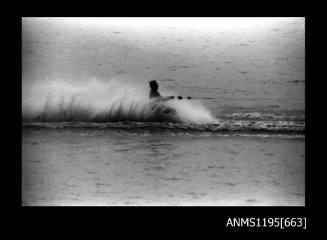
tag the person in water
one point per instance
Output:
(155, 94)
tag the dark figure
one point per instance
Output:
(154, 89)
(155, 94)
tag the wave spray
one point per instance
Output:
(99, 101)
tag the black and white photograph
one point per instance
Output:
(163, 111)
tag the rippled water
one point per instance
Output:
(119, 167)
(250, 77)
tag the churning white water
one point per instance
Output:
(98, 101)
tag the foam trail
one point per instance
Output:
(98, 101)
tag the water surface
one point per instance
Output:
(248, 74)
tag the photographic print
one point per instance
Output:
(163, 111)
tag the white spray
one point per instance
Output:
(98, 101)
